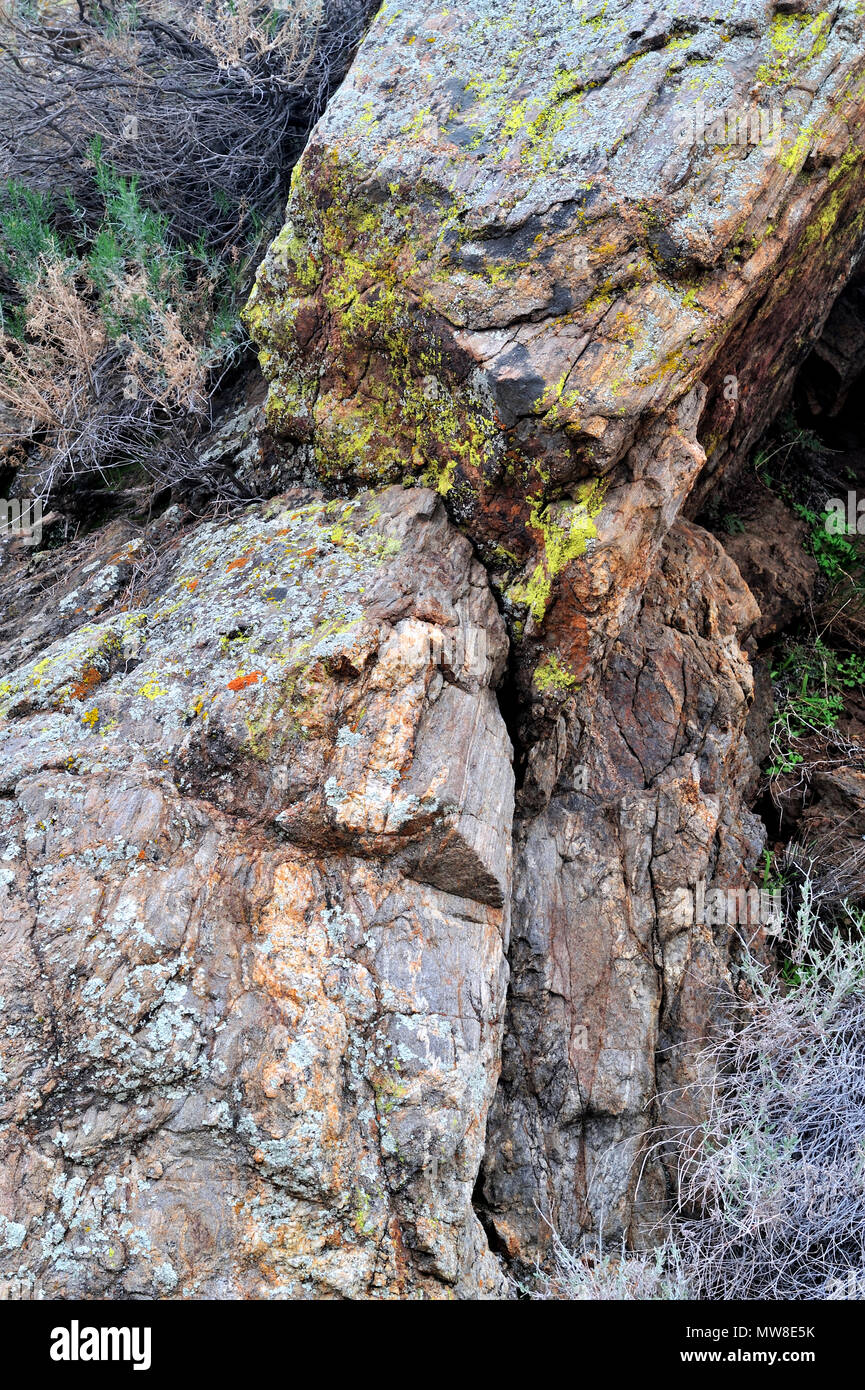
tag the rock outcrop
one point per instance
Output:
(613, 988)
(254, 886)
(516, 239)
(285, 798)
(770, 551)
(563, 266)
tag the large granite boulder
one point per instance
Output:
(546, 275)
(562, 265)
(254, 886)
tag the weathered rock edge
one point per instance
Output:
(514, 269)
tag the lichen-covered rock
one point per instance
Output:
(562, 263)
(554, 267)
(518, 237)
(254, 884)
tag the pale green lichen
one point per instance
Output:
(552, 675)
(408, 419)
(566, 530)
(795, 40)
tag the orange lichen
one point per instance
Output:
(241, 682)
(91, 677)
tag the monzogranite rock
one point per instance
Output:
(563, 265)
(254, 885)
(611, 992)
(519, 240)
(261, 844)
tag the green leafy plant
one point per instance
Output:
(835, 552)
(109, 337)
(809, 683)
(775, 876)
(146, 165)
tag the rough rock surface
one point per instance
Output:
(261, 844)
(254, 875)
(517, 238)
(611, 993)
(838, 360)
(771, 555)
(833, 829)
(526, 261)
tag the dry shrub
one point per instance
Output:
(242, 36)
(147, 137)
(831, 861)
(772, 1187)
(610, 1275)
(46, 376)
(91, 401)
(207, 105)
(169, 370)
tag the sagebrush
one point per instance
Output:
(150, 150)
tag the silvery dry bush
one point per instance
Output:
(618, 1275)
(771, 1189)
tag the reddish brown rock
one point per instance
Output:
(255, 813)
(611, 995)
(770, 551)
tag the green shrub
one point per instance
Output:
(835, 552)
(148, 156)
(809, 680)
